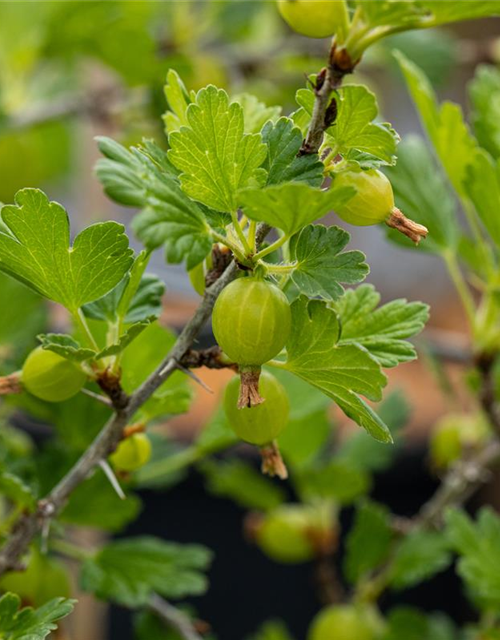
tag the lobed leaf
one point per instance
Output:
(320, 263)
(36, 250)
(215, 156)
(383, 330)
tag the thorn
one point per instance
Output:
(98, 397)
(194, 377)
(112, 479)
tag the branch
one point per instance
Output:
(174, 618)
(325, 109)
(29, 525)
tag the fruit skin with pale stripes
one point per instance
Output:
(258, 425)
(251, 321)
(374, 199)
(132, 452)
(50, 377)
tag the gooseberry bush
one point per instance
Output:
(236, 193)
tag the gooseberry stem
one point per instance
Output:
(461, 287)
(239, 233)
(230, 245)
(84, 327)
(272, 247)
(252, 227)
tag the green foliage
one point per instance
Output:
(95, 504)
(291, 206)
(272, 630)
(478, 546)
(320, 263)
(411, 624)
(35, 250)
(168, 217)
(129, 571)
(422, 193)
(283, 164)
(216, 157)
(369, 541)
(420, 555)
(382, 331)
(315, 355)
(484, 91)
(28, 623)
(244, 485)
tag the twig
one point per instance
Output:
(174, 618)
(210, 358)
(324, 110)
(30, 524)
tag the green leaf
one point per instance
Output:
(419, 556)
(338, 480)
(445, 125)
(66, 346)
(16, 490)
(422, 193)
(95, 504)
(411, 624)
(482, 185)
(366, 452)
(255, 113)
(69, 348)
(284, 140)
(129, 571)
(216, 157)
(339, 371)
(37, 252)
(444, 12)
(28, 623)
(291, 206)
(383, 330)
(354, 127)
(369, 541)
(320, 264)
(178, 100)
(137, 297)
(243, 484)
(484, 92)
(168, 216)
(478, 545)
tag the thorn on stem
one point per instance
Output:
(112, 479)
(194, 377)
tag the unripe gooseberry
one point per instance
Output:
(51, 377)
(316, 18)
(455, 434)
(373, 201)
(258, 425)
(251, 321)
(345, 622)
(132, 453)
(283, 534)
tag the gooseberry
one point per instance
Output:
(455, 434)
(258, 425)
(283, 534)
(373, 203)
(132, 453)
(43, 579)
(251, 322)
(345, 622)
(316, 18)
(50, 377)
